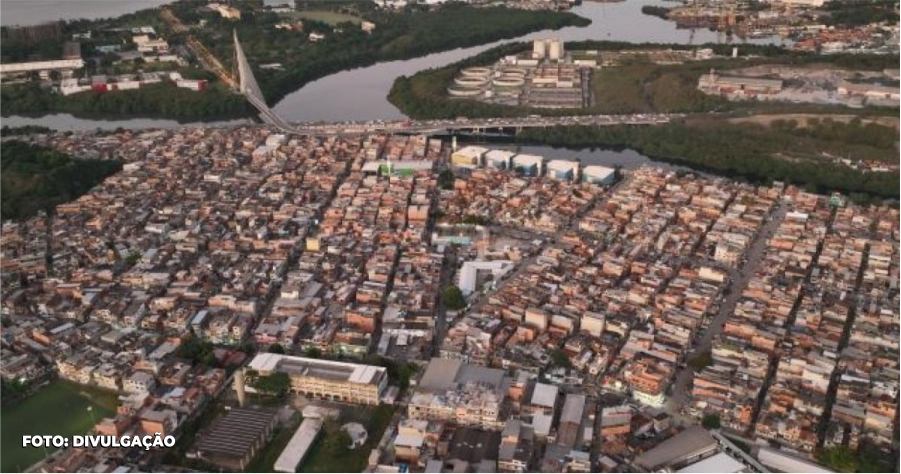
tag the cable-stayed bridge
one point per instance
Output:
(247, 85)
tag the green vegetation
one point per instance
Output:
(265, 459)
(861, 13)
(329, 17)
(452, 298)
(331, 453)
(398, 35)
(133, 258)
(12, 390)
(36, 178)
(484, 220)
(406, 34)
(8, 131)
(636, 86)
(155, 100)
(844, 459)
(755, 152)
(659, 12)
(276, 349)
(701, 360)
(276, 384)
(187, 434)
(197, 351)
(399, 373)
(446, 179)
(560, 359)
(58, 409)
(711, 421)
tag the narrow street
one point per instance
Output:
(739, 280)
(549, 240)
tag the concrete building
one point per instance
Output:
(592, 324)
(469, 273)
(689, 446)
(563, 169)
(528, 165)
(871, 91)
(498, 159)
(571, 419)
(551, 49)
(59, 65)
(343, 381)
(598, 174)
(471, 155)
(715, 82)
(299, 445)
(466, 394)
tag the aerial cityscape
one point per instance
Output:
(425, 236)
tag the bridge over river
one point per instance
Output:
(248, 86)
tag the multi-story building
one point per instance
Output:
(347, 382)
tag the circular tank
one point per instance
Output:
(466, 81)
(514, 71)
(509, 81)
(476, 72)
(460, 91)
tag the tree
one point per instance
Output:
(133, 258)
(276, 349)
(313, 352)
(560, 359)
(446, 179)
(276, 384)
(701, 360)
(711, 421)
(452, 298)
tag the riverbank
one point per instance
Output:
(398, 36)
(154, 101)
(636, 85)
(805, 156)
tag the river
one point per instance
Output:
(360, 94)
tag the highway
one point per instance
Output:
(476, 125)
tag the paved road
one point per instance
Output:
(550, 239)
(740, 279)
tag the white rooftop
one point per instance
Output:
(471, 151)
(544, 395)
(721, 462)
(297, 448)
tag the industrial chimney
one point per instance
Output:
(239, 387)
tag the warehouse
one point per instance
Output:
(689, 446)
(598, 174)
(300, 443)
(234, 440)
(498, 159)
(566, 170)
(528, 165)
(471, 155)
(718, 83)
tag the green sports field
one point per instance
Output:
(58, 409)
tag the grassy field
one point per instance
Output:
(332, 18)
(326, 455)
(264, 461)
(58, 409)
